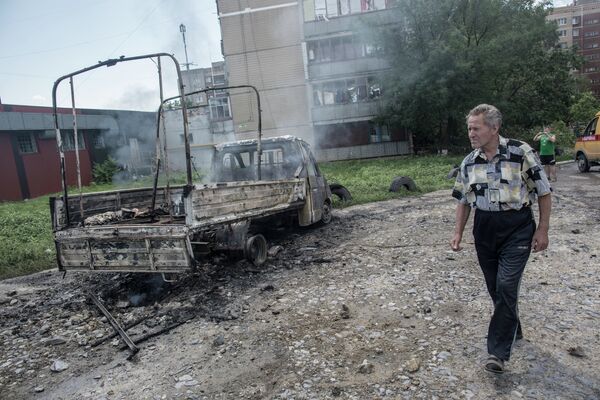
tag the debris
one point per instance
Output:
(366, 367)
(115, 325)
(345, 314)
(56, 340)
(576, 351)
(219, 341)
(38, 389)
(273, 251)
(59, 366)
(413, 365)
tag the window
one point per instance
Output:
(340, 48)
(69, 141)
(591, 33)
(562, 21)
(575, 32)
(591, 45)
(592, 21)
(590, 69)
(98, 142)
(575, 21)
(346, 91)
(219, 108)
(563, 32)
(219, 79)
(26, 143)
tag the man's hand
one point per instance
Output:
(540, 240)
(455, 242)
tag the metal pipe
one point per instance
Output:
(75, 135)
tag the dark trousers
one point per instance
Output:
(503, 244)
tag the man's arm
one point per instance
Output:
(552, 138)
(538, 136)
(462, 216)
(540, 237)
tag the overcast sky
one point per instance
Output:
(43, 40)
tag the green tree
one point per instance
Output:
(450, 55)
(583, 110)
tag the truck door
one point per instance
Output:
(591, 140)
(316, 185)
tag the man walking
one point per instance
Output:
(501, 179)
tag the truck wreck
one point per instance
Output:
(254, 184)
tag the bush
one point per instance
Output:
(104, 171)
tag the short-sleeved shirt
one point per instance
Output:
(547, 146)
(511, 180)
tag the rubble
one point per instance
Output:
(417, 321)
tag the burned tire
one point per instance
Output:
(255, 249)
(400, 182)
(341, 192)
(326, 213)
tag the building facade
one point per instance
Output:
(29, 158)
(317, 69)
(578, 26)
(209, 118)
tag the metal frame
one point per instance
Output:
(109, 63)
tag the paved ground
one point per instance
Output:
(374, 305)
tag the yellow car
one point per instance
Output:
(587, 146)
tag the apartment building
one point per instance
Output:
(209, 117)
(579, 27)
(318, 72)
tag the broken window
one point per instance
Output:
(320, 8)
(347, 91)
(312, 50)
(378, 4)
(332, 8)
(69, 141)
(344, 8)
(338, 49)
(98, 142)
(219, 108)
(355, 6)
(373, 87)
(26, 143)
(348, 47)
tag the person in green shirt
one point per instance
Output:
(547, 151)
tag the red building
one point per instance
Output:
(29, 160)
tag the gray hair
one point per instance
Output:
(492, 117)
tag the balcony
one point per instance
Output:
(324, 70)
(350, 22)
(338, 113)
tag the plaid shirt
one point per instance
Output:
(509, 181)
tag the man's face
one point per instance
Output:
(480, 134)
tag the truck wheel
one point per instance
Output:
(583, 163)
(255, 249)
(326, 213)
(341, 192)
(400, 182)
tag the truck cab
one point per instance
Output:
(587, 146)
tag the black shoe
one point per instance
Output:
(494, 365)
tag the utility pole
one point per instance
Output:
(182, 30)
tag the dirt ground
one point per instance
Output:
(374, 305)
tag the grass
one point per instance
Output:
(26, 243)
(369, 180)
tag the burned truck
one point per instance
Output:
(254, 184)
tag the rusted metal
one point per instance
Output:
(75, 135)
(134, 349)
(109, 63)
